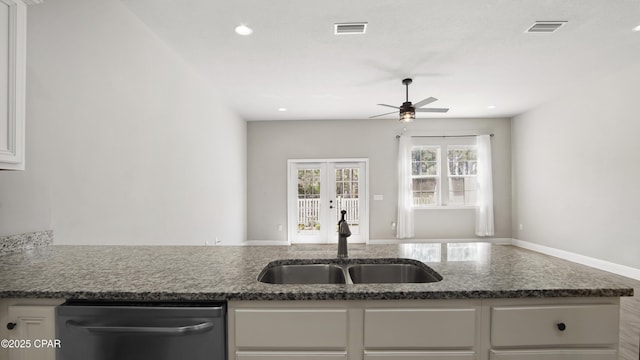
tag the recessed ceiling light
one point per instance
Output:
(282, 109)
(636, 29)
(491, 107)
(243, 30)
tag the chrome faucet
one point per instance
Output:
(343, 233)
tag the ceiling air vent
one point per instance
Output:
(350, 28)
(546, 26)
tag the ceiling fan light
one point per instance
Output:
(407, 116)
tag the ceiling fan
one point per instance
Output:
(408, 110)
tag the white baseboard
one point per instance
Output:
(499, 241)
(623, 270)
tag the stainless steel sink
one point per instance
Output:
(349, 271)
(303, 274)
(391, 273)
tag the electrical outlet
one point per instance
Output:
(521, 227)
(280, 227)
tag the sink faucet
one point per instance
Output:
(343, 233)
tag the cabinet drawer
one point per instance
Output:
(419, 355)
(291, 329)
(576, 354)
(419, 328)
(540, 325)
(290, 355)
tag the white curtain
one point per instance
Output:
(404, 228)
(484, 211)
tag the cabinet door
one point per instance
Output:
(265, 329)
(419, 355)
(420, 328)
(524, 326)
(12, 83)
(290, 355)
(33, 324)
(574, 354)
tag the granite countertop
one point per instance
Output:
(469, 270)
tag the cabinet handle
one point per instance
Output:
(11, 325)
(178, 330)
(561, 326)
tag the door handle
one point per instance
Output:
(174, 330)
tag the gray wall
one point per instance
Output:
(576, 166)
(270, 144)
(126, 143)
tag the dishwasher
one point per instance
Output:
(136, 331)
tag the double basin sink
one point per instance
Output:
(350, 271)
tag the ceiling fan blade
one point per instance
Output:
(375, 116)
(433, 110)
(424, 102)
(391, 106)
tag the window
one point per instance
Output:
(444, 172)
(425, 171)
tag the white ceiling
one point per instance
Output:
(468, 53)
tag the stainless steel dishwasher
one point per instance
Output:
(137, 331)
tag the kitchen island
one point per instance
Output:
(494, 302)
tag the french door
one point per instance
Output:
(318, 190)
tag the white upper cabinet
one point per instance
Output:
(13, 21)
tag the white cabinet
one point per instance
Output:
(578, 354)
(554, 325)
(291, 328)
(480, 329)
(13, 18)
(291, 355)
(263, 331)
(419, 355)
(34, 332)
(438, 331)
(413, 328)
(354, 330)
(34, 319)
(541, 330)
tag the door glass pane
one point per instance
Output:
(308, 201)
(348, 197)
